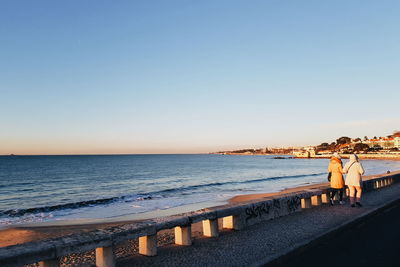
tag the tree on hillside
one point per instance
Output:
(332, 146)
(322, 147)
(343, 140)
(365, 138)
(360, 147)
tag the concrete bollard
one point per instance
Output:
(210, 228)
(306, 203)
(183, 235)
(232, 222)
(105, 257)
(325, 198)
(50, 263)
(316, 200)
(148, 245)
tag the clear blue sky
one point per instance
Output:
(195, 76)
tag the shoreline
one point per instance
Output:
(27, 233)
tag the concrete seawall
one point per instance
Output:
(234, 216)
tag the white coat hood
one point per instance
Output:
(353, 158)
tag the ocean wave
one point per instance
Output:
(188, 188)
(16, 184)
(74, 205)
(139, 197)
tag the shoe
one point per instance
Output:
(341, 202)
(331, 201)
(353, 205)
(358, 204)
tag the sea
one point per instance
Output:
(37, 189)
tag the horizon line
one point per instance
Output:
(103, 154)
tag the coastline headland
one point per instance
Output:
(241, 213)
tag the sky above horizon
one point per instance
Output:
(88, 77)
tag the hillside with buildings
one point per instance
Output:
(388, 145)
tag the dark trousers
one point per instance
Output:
(335, 191)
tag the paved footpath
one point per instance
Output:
(374, 242)
(268, 241)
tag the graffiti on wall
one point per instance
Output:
(277, 207)
(261, 209)
(258, 210)
(294, 204)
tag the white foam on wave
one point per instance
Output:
(115, 209)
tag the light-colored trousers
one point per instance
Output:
(355, 192)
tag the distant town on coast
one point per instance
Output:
(376, 147)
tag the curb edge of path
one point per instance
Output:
(277, 260)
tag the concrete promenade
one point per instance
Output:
(269, 240)
(374, 242)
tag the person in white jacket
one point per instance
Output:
(354, 170)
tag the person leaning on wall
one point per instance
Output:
(336, 178)
(354, 170)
